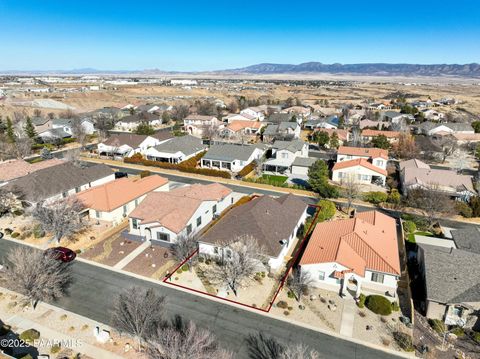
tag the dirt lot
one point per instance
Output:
(153, 262)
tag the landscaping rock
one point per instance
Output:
(313, 297)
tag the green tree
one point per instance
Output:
(476, 126)
(30, 129)
(477, 151)
(334, 142)
(2, 126)
(322, 138)
(165, 117)
(318, 179)
(10, 132)
(381, 141)
(144, 129)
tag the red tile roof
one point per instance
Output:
(371, 152)
(359, 162)
(374, 133)
(114, 194)
(366, 242)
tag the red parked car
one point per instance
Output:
(61, 253)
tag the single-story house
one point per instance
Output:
(298, 111)
(114, 201)
(395, 117)
(57, 182)
(163, 216)
(53, 134)
(343, 135)
(284, 154)
(66, 124)
(127, 144)
(176, 150)
(276, 118)
(330, 122)
(246, 116)
(447, 128)
(257, 113)
(355, 255)
(281, 130)
(231, 157)
(199, 125)
(452, 284)
(368, 135)
(243, 128)
(131, 122)
(41, 124)
(273, 222)
(13, 169)
(417, 174)
(432, 115)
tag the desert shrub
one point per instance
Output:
(185, 267)
(208, 261)
(38, 232)
(404, 341)
(145, 174)
(362, 314)
(395, 307)
(464, 209)
(29, 335)
(361, 300)
(326, 211)
(375, 197)
(55, 349)
(437, 325)
(286, 312)
(409, 227)
(458, 331)
(28, 356)
(282, 304)
(18, 212)
(201, 259)
(15, 234)
(476, 336)
(394, 196)
(290, 294)
(8, 231)
(378, 304)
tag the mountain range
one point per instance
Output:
(366, 69)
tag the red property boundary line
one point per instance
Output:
(167, 279)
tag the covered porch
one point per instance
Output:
(221, 165)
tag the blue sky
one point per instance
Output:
(206, 35)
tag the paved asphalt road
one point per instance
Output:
(310, 200)
(94, 289)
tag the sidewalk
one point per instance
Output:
(46, 333)
(348, 317)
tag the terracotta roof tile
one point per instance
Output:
(358, 162)
(373, 133)
(371, 152)
(366, 242)
(112, 195)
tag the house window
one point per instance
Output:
(134, 223)
(163, 237)
(232, 200)
(189, 229)
(214, 209)
(379, 163)
(136, 202)
(64, 194)
(321, 275)
(365, 177)
(377, 277)
(229, 253)
(125, 210)
(97, 214)
(215, 250)
(199, 221)
(284, 155)
(77, 189)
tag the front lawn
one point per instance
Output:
(274, 179)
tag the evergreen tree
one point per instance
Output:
(334, 143)
(322, 138)
(2, 126)
(10, 132)
(318, 180)
(144, 129)
(381, 141)
(30, 129)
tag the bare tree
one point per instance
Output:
(104, 124)
(73, 155)
(36, 275)
(356, 138)
(299, 351)
(179, 112)
(186, 342)
(138, 312)
(350, 189)
(23, 146)
(431, 200)
(448, 144)
(405, 148)
(261, 346)
(183, 247)
(8, 202)
(239, 262)
(61, 218)
(298, 282)
(78, 132)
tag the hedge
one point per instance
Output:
(375, 197)
(188, 166)
(409, 226)
(379, 304)
(29, 335)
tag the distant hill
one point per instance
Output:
(467, 70)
